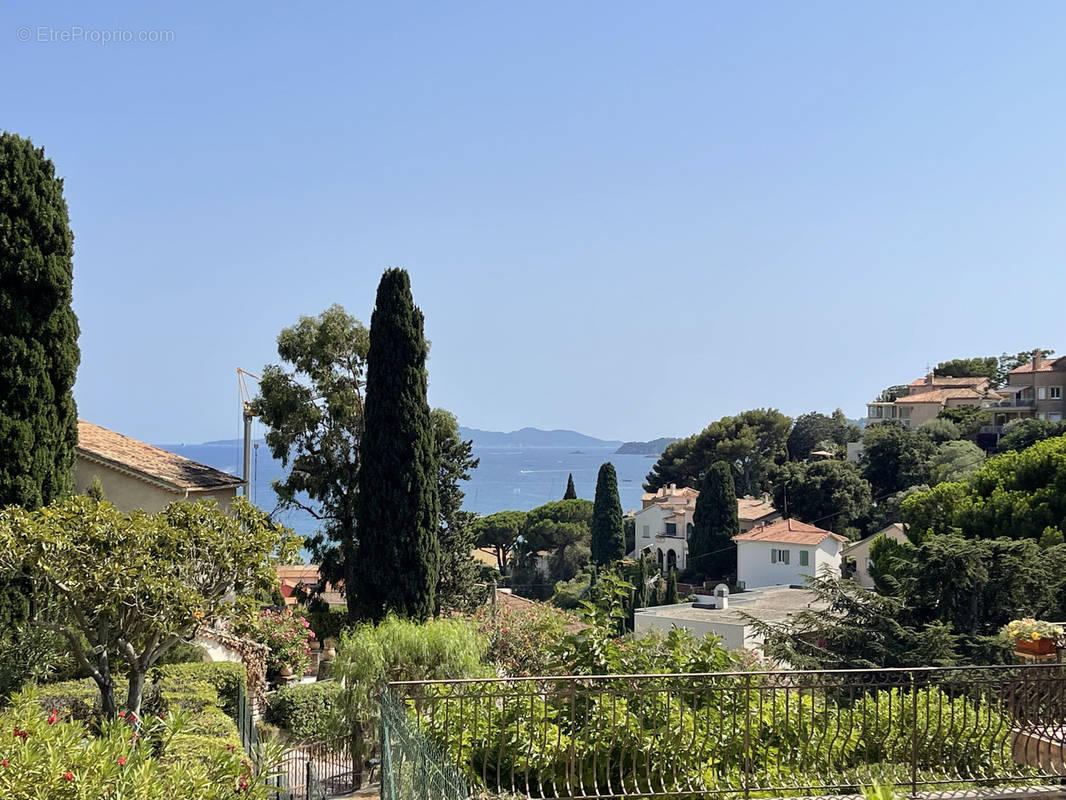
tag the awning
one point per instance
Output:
(1012, 389)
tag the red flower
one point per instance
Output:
(121, 761)
(68, 775)
(3, 763)
(243, 785)
(52, 717)
(121, 714)
(133, 717)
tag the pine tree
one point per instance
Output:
(671, 588)
(571, 492)
(39, 353)
(711, 549)
(397, 560)
(607, 536)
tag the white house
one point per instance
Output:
(786, 552)
(859, 553)
(663, 525)
(732, 620)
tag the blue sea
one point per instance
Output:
(517, 478)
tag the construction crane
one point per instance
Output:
(246, 409)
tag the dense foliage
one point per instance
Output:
(752, 442)
(815, 431)
(557, 532)
(606, 537)
(398, 565)
(39, 353)
(313, 409)
(129, 586)
(53, 758)
(499, 531)
(711, 550)
(306, 710)
(830, 494)
(288, 636)
(225, 677)
(458, 573)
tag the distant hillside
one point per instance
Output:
(653, 448)
(534, 437)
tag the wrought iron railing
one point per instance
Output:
(316, 770)
(790, 733)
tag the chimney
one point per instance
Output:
(1038, 359)
(721, 597)
(673, 488)
(929, 379)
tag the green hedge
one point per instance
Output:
(305, 709)
(327, 624)
(193, 696)
(79, 700)
(191, 747)
(225, 676)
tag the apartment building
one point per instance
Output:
(1033, 390)
(923, 399)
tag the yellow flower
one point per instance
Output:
(1035, 636)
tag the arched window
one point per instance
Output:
(671, 560)
(659, 556)
(688, 530)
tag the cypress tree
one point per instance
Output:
(39, 353)
(607, 536)
(398, 555)
(571, 492)
(671, 588)
(711, 549)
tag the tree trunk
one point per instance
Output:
(106, 685)
(133, 698)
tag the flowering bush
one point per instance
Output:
(287, 635)
(1032, 629)
(523, 641)
(47, 757)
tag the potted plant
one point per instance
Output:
(1034, 636)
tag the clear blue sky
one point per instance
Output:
(625, 218)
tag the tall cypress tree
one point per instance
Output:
(397, 560)
(711, 550)
(571, 492)
(671, 588)
(608, 540)
(39, 353)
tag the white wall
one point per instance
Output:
(734, 635)
(755, 569)
(654, 517)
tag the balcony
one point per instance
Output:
(1014, 403)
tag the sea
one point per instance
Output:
(507, 478)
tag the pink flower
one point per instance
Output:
(121, 761)
(3, 763)
(68, 775)
(52, 717)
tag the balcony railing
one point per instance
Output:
(787, 733)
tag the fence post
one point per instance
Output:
(914, 733)
(747, 736)
(388, 788)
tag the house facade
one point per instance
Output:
(857, 555)
(926, 397)
(1035, 390)
(664, 523)
(139, 476)
(786, 552)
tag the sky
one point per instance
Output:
(624, 218)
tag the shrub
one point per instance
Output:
(52, 760)
(370, 656)
(307, 710)
(522, 640)
(77, 700)
(183, 653)
(286, 634)
(328, 624)
(186, 695)
(225, 676)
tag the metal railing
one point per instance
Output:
(315, 770)
(790, 733)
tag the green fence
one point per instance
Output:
(412, 767)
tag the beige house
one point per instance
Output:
(926, 397)
(1033, 390)
(858, 553)
(138, 476)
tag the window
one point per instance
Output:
(1055, 416)
(805, 558)
(688, 530)
(646, 532)
(875, 412)
(779, 556)
(1054, 392)
(1041, 393)
(671, 529)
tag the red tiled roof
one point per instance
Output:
(947, 380)
(753, 508)
(942, 395)
(1047, 365)
(154, 463)
(788, 531)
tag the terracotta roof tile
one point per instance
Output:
(160, 465)
(788, 531)
(1047, 365)
(947, 380)
(753, 508)
(941, 395)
